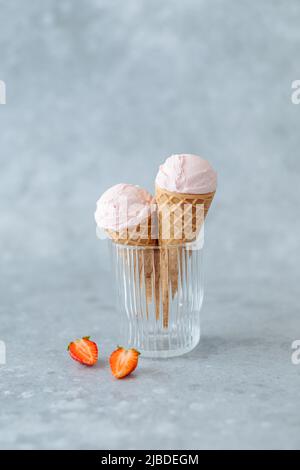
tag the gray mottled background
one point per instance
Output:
(100, 92)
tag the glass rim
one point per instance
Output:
(191, 245)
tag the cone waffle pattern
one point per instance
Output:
(179, 223)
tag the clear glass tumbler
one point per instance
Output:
(160, 294)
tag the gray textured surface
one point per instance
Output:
(99, 92)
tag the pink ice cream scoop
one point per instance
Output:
(186, 173)
(123, 206)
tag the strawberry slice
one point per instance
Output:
(123, 361)
(84, 351)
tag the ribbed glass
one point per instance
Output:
(160, 293)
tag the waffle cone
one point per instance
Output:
(139, 235)
(181, 212)
(180, 218)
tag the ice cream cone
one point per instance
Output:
(185, 187)
(127, 214)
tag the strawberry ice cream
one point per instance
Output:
(123, 206)
(188, 174)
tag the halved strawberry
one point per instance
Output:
(123, 361)
(84, 351)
